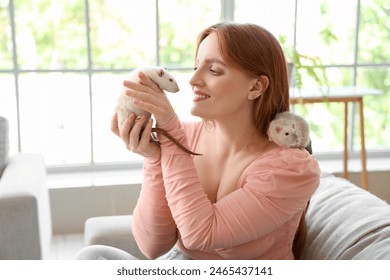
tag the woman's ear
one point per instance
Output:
(259, 87)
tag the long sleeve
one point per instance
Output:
(153, 226)
(273, 190)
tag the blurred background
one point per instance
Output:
(62, 64)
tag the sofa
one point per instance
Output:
(344, 222)
(25, 220)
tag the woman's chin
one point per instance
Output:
(196, 112)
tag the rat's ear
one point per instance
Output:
(259, 87)
(278, 129)
(161, 72)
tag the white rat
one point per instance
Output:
(158, 75)
(289, 130)
(125, 104)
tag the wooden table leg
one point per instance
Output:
(345, 157)
(363, 146)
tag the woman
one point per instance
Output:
(244, 197)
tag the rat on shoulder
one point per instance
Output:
(125, 104)
(289, 130)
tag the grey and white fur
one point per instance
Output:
(289, 130)
(125, 104)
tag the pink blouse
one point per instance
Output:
(256, 221)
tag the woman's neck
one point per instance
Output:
(234, 134)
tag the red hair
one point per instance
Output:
(257, 52)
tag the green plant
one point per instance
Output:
(311, 66)
(304, 65)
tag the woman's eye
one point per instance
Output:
(214, 72)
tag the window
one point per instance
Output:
(350, 38)
(62, 64)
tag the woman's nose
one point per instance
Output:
(196, 79)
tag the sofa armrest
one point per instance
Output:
(25, 220)
(112, 231)
(346, 222)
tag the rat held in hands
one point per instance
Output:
(126, 106)
(289, 130)
(158, 75)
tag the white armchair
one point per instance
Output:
(25, 220)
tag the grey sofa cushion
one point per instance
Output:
(112, 231)
(4, 143)
(346, 222)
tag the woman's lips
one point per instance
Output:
(199, 96)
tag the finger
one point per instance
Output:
(163, 113)
(124, 131)
(140, 95)
(145, 99)
(114, 124)
(147, 102)
(135, 133)
(146, 105)
(140, 87)
(148, 82)
(146, 134)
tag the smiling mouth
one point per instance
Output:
(199, 97)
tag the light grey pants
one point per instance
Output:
(102, 252)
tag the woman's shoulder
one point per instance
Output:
(282, 170)
(277, 158)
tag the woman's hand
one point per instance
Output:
(135, 139)
(149, 97)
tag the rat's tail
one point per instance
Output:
(170, 137)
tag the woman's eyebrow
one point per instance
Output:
(212, 60)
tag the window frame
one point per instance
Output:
(227, 13)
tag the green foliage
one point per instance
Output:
(374, 44)
(55, 29)
(308, 66)
(374, 41)
(175, 52)
(312, 67)
(328, 35)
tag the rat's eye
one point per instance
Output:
(171, 80)
(287, 134)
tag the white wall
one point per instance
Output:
(71, 207)
(378, 181)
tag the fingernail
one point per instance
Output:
(140, 117)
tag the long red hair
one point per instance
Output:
(256, 51)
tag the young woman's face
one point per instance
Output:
(220, 90)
